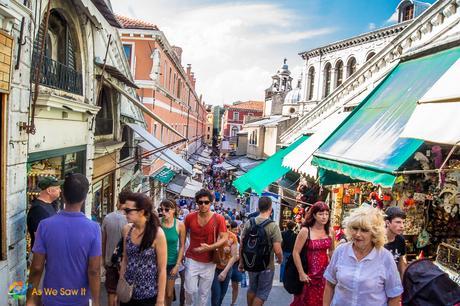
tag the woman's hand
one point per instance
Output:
(222, 276)
(174, 270)
(304, 278)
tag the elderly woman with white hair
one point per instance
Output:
(362, 271)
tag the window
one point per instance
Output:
(104, 118)
(408, 12)
(311, 82)
(169, 81)
(127, 137)
(327, 79)
(351, 66)
(236, 116)
(61, 64)
(128, 52)
(370, 55)
(234, 131)
(339, 73)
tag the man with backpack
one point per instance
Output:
(261, 238)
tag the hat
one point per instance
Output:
(49, 181)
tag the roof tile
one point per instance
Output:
(132, 23)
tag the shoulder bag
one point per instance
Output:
(292, 282)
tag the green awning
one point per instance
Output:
(165, 175)
(367, 146)
(267, 172)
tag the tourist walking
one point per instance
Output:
(287, 245)
(394, 222)
(144, 253)
(112, 233)
(228, 254)
(261, 238)
(175, 237)
(237, 276)
(362, 271)
(316, 238)
(207, 232)
(69, 244)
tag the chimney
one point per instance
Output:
(189, 69)
(192, 79)
(178, 51)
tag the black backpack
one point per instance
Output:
(292, 282)
(256, 247)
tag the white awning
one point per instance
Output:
(300, 158)
(167, 154)
(437, 115)
(191, 188)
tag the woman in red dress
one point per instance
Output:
(316, 236)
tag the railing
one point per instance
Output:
(57, 75)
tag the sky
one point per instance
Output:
(236, 46)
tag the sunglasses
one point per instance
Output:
(165, 209)
(357, 228)
(203, 202)
(128, 210)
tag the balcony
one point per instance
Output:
(57, 75)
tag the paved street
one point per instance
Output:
(278, 296)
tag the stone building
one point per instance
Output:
(333, 84)
(260, 137)
(69, 96)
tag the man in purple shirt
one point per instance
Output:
(69, 246)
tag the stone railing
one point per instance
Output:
(433, 23)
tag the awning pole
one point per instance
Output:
(143, 108)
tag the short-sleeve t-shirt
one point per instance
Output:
(273, 233)
(397, 248)
(112, 226)
(68, 239)
(203, 234)
(225, 251)
(38, 211)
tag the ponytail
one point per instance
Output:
(150, 232)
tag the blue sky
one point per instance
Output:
(235, 46)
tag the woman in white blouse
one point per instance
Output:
(362, 271)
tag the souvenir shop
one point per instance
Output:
(430, 199)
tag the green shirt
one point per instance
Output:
(273, 233)
(172, 239)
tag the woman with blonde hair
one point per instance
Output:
(362, 271)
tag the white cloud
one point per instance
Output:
(393, 18)
(234, 48)
(372, 26)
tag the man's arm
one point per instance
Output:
(328, 293)
(278, 251)
(402, 265)
(94, 277)
(36, 270)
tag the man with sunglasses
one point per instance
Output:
(207, 232)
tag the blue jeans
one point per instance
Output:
(283, 265)
(219, 289)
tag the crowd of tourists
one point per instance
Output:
(143, 252)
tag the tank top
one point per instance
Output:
(141, 270)
(172, 238)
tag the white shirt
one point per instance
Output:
(371, 281)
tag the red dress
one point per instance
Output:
(312, 294)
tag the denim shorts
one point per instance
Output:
(237, 276)
(260, 283)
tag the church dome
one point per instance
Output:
(293, 96)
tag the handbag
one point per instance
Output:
(124, 290)
(292, 282)
(216, 257)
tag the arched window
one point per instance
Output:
(338, 73)
(311, 82)
(234, 131)
(408, 12)
(327, 79)
(351, 66)
(370, 55)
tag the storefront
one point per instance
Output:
(103, 186)
(57, 163)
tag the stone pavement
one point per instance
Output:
(278, 296)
